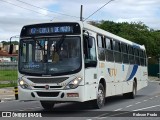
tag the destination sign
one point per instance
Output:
(49, 30)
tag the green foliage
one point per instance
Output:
(137, 32)
(8, 43)
(8, 75)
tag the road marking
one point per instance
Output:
(137, 102)
(101, 115)
(28, 109)
(147, 108)
(151, 98)
(156, 96)
(118, 109)
(1, 101)
(145, 100)
(129, 106)
(114, 115)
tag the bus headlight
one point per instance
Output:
(74, 83)
(24, 84)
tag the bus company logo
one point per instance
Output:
(112, 72)
(46, 87)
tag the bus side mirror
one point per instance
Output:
(10, 49)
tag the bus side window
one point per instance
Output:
(124, 53)
(109, 49)
(131, 55)
(101, 50)
(117, 51)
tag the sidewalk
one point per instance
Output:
(152, 79)
(7, 94)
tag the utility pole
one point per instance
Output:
(81, 12)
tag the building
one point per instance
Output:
(5, 57)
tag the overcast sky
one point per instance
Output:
(13, 18)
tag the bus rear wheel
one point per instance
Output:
(47, 105)
(100, 101)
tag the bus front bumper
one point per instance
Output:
(74, 95)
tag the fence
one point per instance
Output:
(153, 70)
(8, 71)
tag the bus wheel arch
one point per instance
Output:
(132, 94)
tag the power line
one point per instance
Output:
(47, 9)
(99, 9)
(24, 8)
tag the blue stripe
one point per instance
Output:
(135, 67)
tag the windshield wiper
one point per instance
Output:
(60, 42)
(38, 43)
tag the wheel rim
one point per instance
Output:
(100, 98)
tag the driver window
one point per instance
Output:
(90, 51)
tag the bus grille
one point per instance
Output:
(43, 87)
(47, 94)
(48, 80)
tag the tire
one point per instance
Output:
(47, 105)
(131, 95)
(100, 101)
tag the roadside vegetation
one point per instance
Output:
(8, 78)
(137, 32)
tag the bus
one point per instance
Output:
(73, 61)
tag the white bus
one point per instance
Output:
(77, 62)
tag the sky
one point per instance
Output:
(14, 14)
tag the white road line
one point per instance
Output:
(145, 100)
(26, 109)
(114, 115)
(151, 98)
(156, 96)
(137, 102)
(118, 109)
(101, 115)
(129, 106)
(147, 108)
(1, 101)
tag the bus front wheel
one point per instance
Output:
(47, 105)
(100, 101)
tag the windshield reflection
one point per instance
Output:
(59, 55)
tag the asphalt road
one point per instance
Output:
(116, 107)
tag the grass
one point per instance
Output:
(8, 75)
(8, 78)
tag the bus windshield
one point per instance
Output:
(50, 56)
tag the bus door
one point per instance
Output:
(90, 60)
